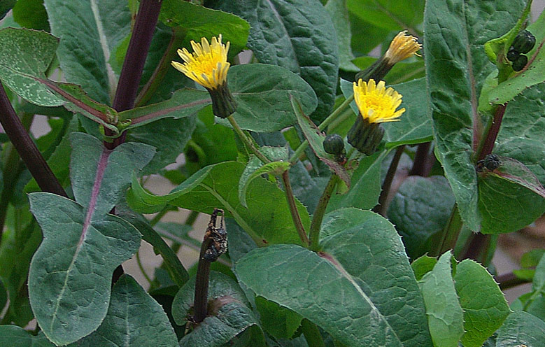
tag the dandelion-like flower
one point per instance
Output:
(208, 66)
(376, 103)
(402, 47)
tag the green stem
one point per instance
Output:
(293, 209)
(141, 267)
(449, 234)
(247, 142)
(318, 216)
(312, 334)
(381, 207)
(332, 117)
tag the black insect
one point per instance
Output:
(490, 163)
(215, 238)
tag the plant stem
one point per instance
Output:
(293, 209)
(312, 334)
(387, 184)
(332, 117)
(247, 142)
(141, 267)
(421, 161)
(509, 280)
(318, 216)
(26, 148)
(201, 284)
(449, 235)
(487, 145)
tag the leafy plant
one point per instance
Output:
(316, 238)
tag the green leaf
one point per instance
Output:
(134, 319)
(5, 7)
(277, 320)
(521, 328)
(229, 313)
(267, 219)
(482, 301)
(319, 289)
(422, 266)
(531, 75)
(445, 315)
(168, 136)
(93, 167)
(456, 67)
(71, 273)
(24, 57)
(197, 21)
(365, 185)
(31, 14)
(370, 250)
(420, 209)
(3, 295)
(391, 15)
(14, 336)
(297, 35)
(339, 16)
(262, 93)
(255, 169)
(89, 31)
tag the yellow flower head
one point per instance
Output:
(377, 104)
(207, 65)
(402, 47)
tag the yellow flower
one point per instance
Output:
(376, 103)
(207, 65)
(402, 47)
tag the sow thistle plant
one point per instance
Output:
(290, 160)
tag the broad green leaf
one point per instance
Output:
(420, 209)
(197, 21)
(24, 57)
(316, 139)
(445, 315)
(14, 336)
(365, 185)
(134, 319)
(456, 67)
(422, 266)
(31, 14)
(391, 15)
(521, 329)
(184, 103)
(71, 273)
(528, 77)
(263, 92)
(339, 16)
(168, 136)
(277, 320)
(229, 312)
(482, 301)
(319, 289)
(89, 31)
(370, 250)
(267, 219)
(521, 135)
(254, 169)
(100, 176)
(297, 35)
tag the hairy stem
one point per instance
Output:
(247, 141)
(387, 184)
(487, 145)
(318, 216)
(293, 209)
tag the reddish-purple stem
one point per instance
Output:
(490, 139)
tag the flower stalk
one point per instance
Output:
(318, 216)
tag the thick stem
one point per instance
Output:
(131, 73)
(26, 148)
(449, 235)
(421, 161)
(293, 209)
(488, 144)
(509, 280)
(318, 216)
(387, 184)
(201, 284)
(247, 141)
(477, 247)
